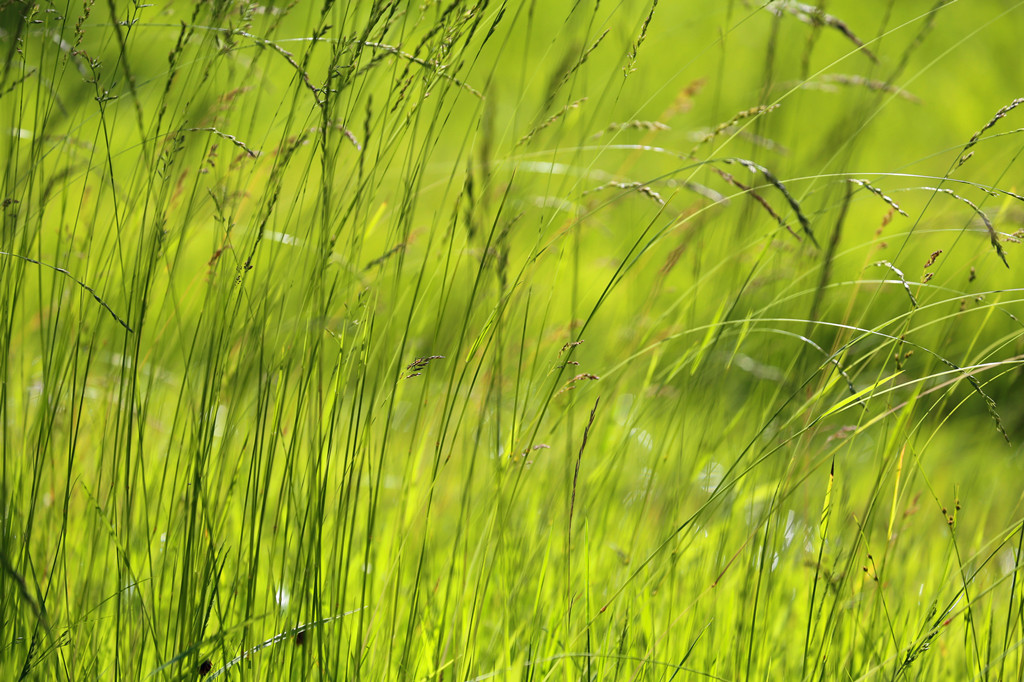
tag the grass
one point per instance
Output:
(466, 341)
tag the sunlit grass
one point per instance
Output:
(510, 341)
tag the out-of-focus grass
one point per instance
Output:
(473, 340)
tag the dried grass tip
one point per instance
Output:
(419, 364)
(878, 193)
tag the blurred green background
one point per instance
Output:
(230, 232)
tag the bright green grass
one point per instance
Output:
(489, 340)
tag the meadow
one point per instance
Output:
(476, 339)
